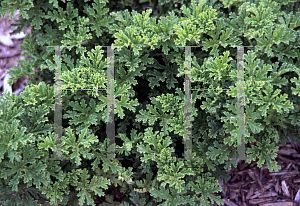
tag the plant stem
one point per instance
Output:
(249, 41)
(93, 36)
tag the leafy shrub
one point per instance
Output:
(149, 98)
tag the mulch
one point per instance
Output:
(10, 52)
(248, 186)
(253, 186)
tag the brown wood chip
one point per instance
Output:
(294, 172)
(10, 55)
(250, 192)
(279, 204)
(296, 180)
(257, 201)
(296, 155)
(285, 189)
(268, 194)
(285, 160)
(229, 203)
(286, 152)
(297, 197)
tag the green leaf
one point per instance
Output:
(84, 186)
(99, 17)
(161, 193)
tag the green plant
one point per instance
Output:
(149, 98)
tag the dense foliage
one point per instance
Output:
(149, 98)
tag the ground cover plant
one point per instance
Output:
(149, 98)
